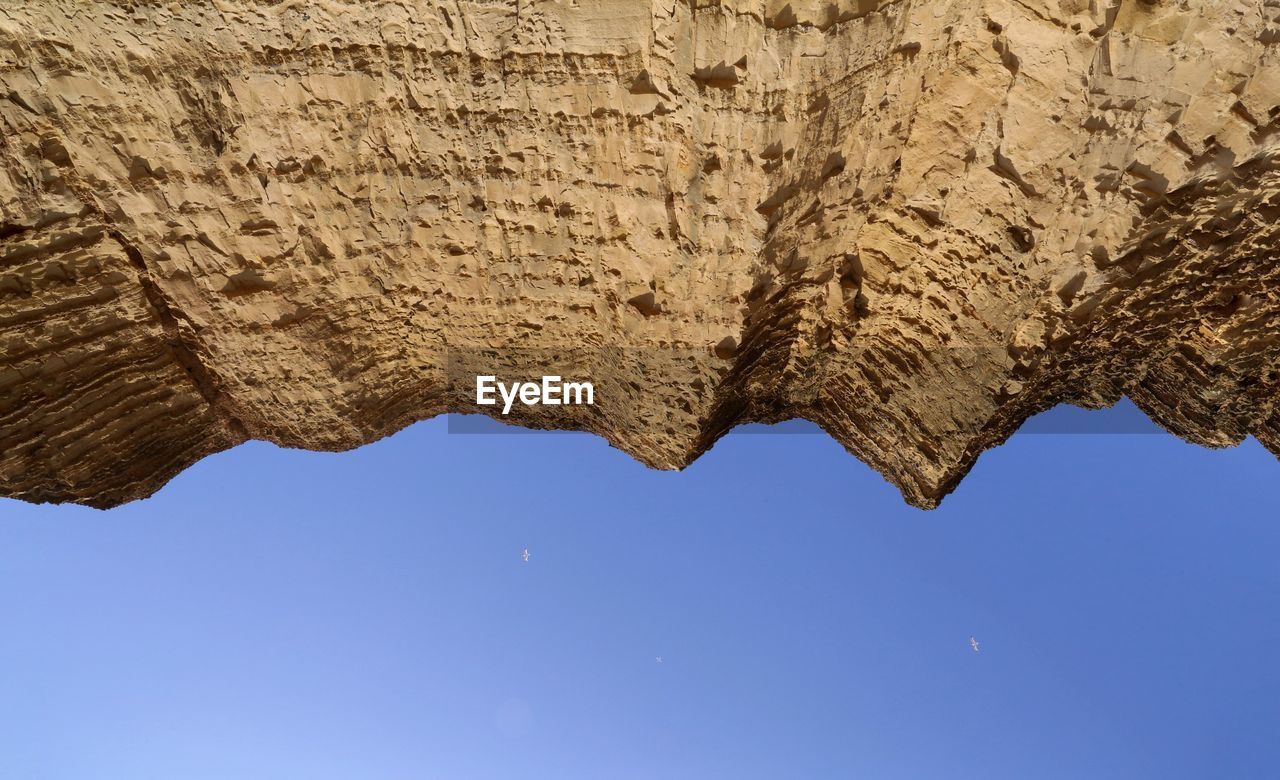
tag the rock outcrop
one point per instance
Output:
(914, 223)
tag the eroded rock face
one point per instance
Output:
(915, 223)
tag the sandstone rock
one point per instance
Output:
(915, 223)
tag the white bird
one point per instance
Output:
(525, 555)
(658, 659)
(974, 644)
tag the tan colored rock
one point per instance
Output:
(915, 223)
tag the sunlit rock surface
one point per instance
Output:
(914, 223)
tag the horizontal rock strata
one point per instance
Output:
(914, 223)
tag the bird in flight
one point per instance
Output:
(974, 644)
(525, 555)
(658, 659)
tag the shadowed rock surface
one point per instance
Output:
(914, 223)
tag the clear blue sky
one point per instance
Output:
(367, 616)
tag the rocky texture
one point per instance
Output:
(915, 223)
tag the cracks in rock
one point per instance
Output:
(185, 354)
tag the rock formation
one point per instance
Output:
(915, 223)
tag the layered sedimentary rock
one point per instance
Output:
(914, 223)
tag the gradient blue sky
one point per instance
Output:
(277, 614)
